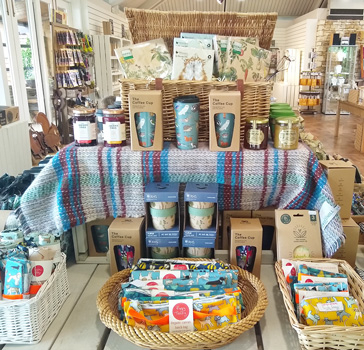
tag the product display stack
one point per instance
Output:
(162, 224)
(200, 220)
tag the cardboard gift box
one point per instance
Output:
(146, 122)
(298, 234)
(341, 176)
(349, 249)
(247, 233)
(358, 219)
(201, 224)
(226, 225)
(125, 231)
(162, 195)
(8, 115)
(224, 107)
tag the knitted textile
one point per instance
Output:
(84, 184)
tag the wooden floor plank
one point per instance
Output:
(246, 341)
(277, 332)
(83, 329)
(78, 276)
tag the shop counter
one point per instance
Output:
(83, 184)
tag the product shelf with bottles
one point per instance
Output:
(309, 96)
(339, 76)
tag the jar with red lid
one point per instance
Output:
(256, 133)
(84, 127)
(114, 128)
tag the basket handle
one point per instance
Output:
(158, 83)
(240, 87)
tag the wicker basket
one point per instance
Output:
(255, 301)
(326, 337)
(26, 321)
(146, 25)
(255, 102)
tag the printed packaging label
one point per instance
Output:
(287, 137)
(181, 316)
(255, 137)
(84, 131)
(114, 132)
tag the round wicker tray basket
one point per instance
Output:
(255, 301)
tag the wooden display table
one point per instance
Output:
(350, 107)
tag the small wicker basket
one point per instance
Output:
(26, 321)
(255, 101)
(254, 297)
(326, 337)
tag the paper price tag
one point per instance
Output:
(335, 306)
(181, 316)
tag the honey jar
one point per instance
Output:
(286, 133)
(256, 133)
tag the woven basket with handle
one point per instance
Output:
(255, 101)
(255, 302)
(326, 337)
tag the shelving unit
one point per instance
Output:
(108, 76)
(339, 76)
(310, 79)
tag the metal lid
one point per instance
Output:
(257, 120)
(286, 121)
(113, 111)
(83, 111)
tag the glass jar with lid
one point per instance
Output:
(286, 133)
(256, 133)
(84, 127)
(114, 128)
(279, 113)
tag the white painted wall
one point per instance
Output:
(99, 11)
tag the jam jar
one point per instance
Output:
(286, 133)
(114, 128)
(84, 127)
(256, 133)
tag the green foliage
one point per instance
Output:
(26, 55)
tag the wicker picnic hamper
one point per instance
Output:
(146, 25)
(255, 101)
(254, 297)
(326, 337)
(26, 321)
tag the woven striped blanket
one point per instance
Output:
(84, 184)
